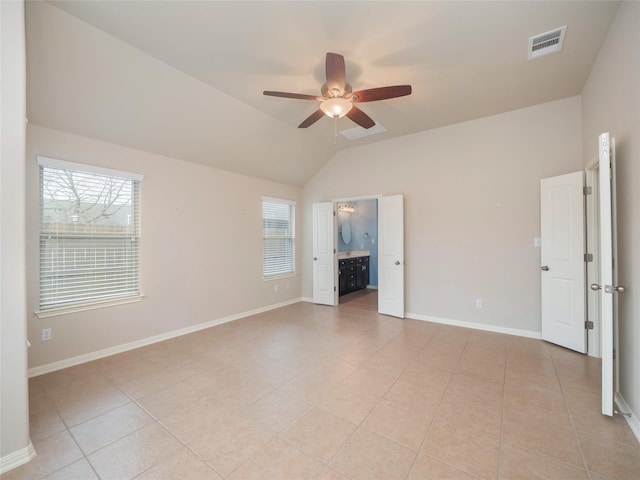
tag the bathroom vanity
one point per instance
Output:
(353, 268)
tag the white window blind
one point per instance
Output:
(89, 234)
(278, 236)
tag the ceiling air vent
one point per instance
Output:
(546, 43)
(359, 132)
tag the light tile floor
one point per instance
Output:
(310, 391)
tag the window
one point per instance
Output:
(89, 235)
(278, 236)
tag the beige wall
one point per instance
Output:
(611, 102)
(201, 249)
(14, 413)
(471, 208)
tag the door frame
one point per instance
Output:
(592, 235)
(336, 201)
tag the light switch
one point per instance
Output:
(537, 242)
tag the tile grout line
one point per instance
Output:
(85, 456)
(573, 427)
(504, 395)
(360, 425)
(168, 430)
(435, 414)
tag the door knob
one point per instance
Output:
(620, 289)
(397, 262)
(315, 258)
(595, 287)
(544, 268)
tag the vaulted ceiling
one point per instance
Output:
(185, 79)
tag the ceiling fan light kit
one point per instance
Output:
(337, 99)
(336, 107)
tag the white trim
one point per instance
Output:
(279, 200)
(633, 422)
(65, 165)
(88, 357)
(459, 323)
(53, 312)
(17, 458)
(372, 287)
(279, 276)
(355, 199)
(592, 237)
(477, 326)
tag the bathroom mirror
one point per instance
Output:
(346, 233)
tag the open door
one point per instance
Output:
(608, 281)
(391, 255)
(324, 254)
(562, 257)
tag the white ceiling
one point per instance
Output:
(185, 79)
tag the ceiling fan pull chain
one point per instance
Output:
(335, 130)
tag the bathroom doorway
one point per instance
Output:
(357, 232)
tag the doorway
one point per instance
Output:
(357, 240)
(390, 241)
(596, 295)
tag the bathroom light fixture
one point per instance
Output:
(346, 208)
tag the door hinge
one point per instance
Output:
(588, 325)
(334, 213)
(334, 250)
(588, 257)
(587, 190)
(334, 288)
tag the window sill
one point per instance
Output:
(278, 277)
(53, 312)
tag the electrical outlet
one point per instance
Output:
(275, 288)
(478, 303)
(46, 334)
(288, 286)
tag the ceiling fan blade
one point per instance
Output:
(299, 96)
(360, 117)
(311, 119)
(380, 93)
(336, 76)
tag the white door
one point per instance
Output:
(608, 284)
(324, 254)
(562, 260)
(391, 256)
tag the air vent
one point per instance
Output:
(546, 43)
(359, 132)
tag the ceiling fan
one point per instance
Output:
(337, 99)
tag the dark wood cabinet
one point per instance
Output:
(353, 274)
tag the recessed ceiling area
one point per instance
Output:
(185, 79)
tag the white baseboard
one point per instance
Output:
(476, 326)
(17, 458)
(633, 422)
(458, 323)
(372, 287)
(107, 352)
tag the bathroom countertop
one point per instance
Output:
(353, 254)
